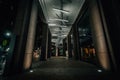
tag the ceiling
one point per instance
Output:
(60, 15)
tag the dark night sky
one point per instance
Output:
(8, 9)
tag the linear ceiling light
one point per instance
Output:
(52, 24)
(54, 34)
(64, 11)
(64, 35)
(62, 26)
(59, 20)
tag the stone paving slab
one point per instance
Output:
(63, 69)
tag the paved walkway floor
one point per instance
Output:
(60, 68)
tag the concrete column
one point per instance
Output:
(64, 47)
(31, 37)
(49, 44)
(98, 35)
(69, 46)
(20, 30)
(44, 42)
(76, 43)
(56, 52)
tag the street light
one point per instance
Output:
(8, 34)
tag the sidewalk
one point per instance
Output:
(63, 69)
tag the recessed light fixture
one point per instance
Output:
(31, 71)
(99, 70)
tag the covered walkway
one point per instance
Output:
(60, 68)
(59, 39)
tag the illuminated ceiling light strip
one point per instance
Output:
(52, 24)
(54, 40)
(57, 30)
(59, 20)
(62, 26)
(64, 11)
(54, 34)
(57, 25)
(64, 35)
